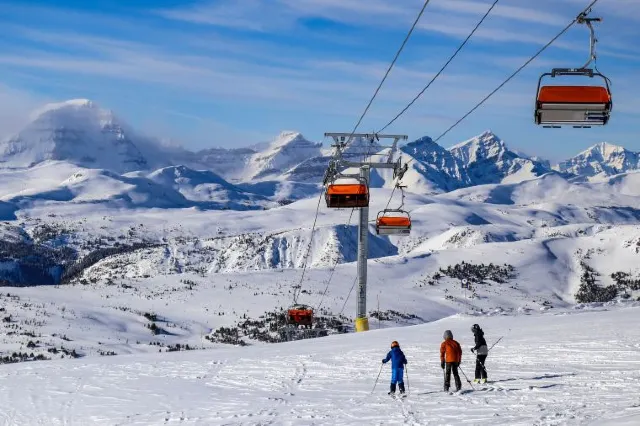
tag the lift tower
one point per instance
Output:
(343, 161)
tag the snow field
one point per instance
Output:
(572, 368)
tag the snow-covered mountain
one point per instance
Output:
(229, 163)
(288, 150)
(432, 165)
(81, 133)
(487, 159)
(76, 131)
(602, 159)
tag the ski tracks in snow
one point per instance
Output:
(552, 372)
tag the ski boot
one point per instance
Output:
(392, 389)
(476, 380)
(483, 381)
(401, 386)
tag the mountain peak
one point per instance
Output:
(289, 134)
(483, 146)
(76, 131)
(71, 104)
(287, 150)
(602, 158)
(288, 137)
(79, 103)
(607, 148)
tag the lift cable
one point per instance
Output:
(348, 295)
(391, 65)
(584, 12)
(296, 291)
(375, 94)
(451, 58)
(516, 72)
(333, 269)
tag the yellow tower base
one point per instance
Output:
(362, 324)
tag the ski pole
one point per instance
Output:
(444, 375)
(465, 377)
(488, 350)
(374, 385)
(406, 370)
(495, 343)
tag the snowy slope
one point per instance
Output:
(548, 369)
(229, 163)
(203, 185)
(76, 131)
(602, 160)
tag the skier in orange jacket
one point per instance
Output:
(450, 358)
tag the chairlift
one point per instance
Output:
(347, 195)
(393, 222)
(580, 106)
(300, 314)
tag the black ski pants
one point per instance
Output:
(451, 367)
(481, 371)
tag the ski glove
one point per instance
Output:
(442, 365)
(473, 350)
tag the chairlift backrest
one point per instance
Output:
(347, 195)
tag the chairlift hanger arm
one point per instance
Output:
(582, 19)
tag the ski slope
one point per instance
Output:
(579, 366)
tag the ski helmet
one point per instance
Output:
(475, 328)
(394, 344)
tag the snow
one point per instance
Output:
(174, 244)
(590, 377)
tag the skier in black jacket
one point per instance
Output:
(481, 351)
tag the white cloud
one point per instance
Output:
(515, 13)
(262, 72)
(15, 107)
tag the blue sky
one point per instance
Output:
(236, 72)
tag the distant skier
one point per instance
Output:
(481, 351)
(450, 357)
(398, 361)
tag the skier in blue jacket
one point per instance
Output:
(398, 361)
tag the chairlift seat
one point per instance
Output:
(393, 225)
(300, 315)
(347, 195)
(577, 105)
(573, 105)
(574, 94)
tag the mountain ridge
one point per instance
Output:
(80, 132)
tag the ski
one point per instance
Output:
(398, 396)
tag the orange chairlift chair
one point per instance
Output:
(393, 222)
(300, 314)
(347, 195)
(580, 106)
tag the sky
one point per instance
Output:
(236, 72)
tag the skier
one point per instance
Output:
(481, 351)
(398, 361)
(450, 356)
